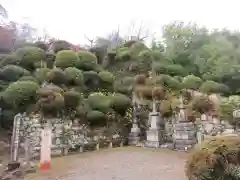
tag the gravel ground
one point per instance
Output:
(125, 163)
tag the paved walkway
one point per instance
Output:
(125, 163)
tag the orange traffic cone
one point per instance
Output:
(45, 165)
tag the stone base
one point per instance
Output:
(153, 138)
(133, 138)
(152, 144)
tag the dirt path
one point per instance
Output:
(117, 164)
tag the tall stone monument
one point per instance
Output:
(134, 136)
(135, 130)
(154, 135)
(184, 136)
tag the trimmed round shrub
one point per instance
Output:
(87, 61)
(106, 77)
(100, 102)
(41, 74)
(202, 104)
(165, 108)
(168, 82)
(71, 99)
(140, 79)
(30, 56)
(175, 70)
(96, 118)
(124, 85)
(83, 109)
(159, 68)
(65, 59)
(137, 47)
(90, 79)
(215, 159)
(143, 91)
(74, 76)
(158, 93)
(21, 93)
(191, 82)
(60, 45)
(120, 103)
(51, 100)
(28, 78)
(123, 54)
(145, 60)
(56, 76)
(9, 59)
(209, 87)
(11, 73)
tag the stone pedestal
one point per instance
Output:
(184, 136)
(134, 135)
(154, 135)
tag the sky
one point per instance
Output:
(72, 19)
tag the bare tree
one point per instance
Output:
(137, 33)
(90, 40)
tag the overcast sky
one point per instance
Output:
(72, 19)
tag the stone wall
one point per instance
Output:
(66, 137)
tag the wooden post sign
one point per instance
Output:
(46, 143)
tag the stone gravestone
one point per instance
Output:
(134, 136)
(184, 135)
(154, 135)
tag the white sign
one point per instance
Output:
(45, 154)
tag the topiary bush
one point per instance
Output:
(86, 61)
(202, 104)
(120, 103)
(30, 56)
(60, 45)
(215, 159)
(91, 79)
(99, 102)
(28, 78)
(65, 59)
(41, 74)
(175, 70)
(140, 79)
(9, 59)
(191, 82)
(106, 77)
(145, 60)
(96, 119)
(137, 47)
(165, 108)
(74, 76)
(71, 99)
(210, 87)
(50, 101)
(11, 73)
(124, 85)
(21, 93)
(56, 76)
(123, 54)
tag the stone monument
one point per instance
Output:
(184, 136)
(154, 136)
(135, 130)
